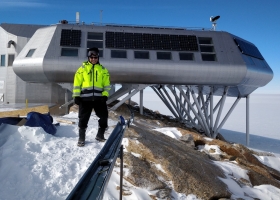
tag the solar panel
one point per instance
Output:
(138, 40)
(147, 41)
(248, 48)
(192, 43)
(122, 40)
(70, 37)
(128, 41)
(156, 41)
(119, 40)
(110, 39)
(165, 42)
(174, 42)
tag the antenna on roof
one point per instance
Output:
(101, 16)
(213, 20)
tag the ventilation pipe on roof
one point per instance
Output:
(77, 17)
(11, 42)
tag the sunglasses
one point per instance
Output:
(93, 57)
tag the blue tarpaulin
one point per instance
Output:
(45, 121)
(34, 119)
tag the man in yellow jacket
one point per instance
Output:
(90, 91)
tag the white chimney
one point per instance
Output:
(77, 17)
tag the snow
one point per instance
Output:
(37, 165)
(171, 132)
(273, 162)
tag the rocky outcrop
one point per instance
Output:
(163, 161)
(258, 173)
(155, 161)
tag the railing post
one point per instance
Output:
(121, 171)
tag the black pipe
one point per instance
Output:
(93, 183)
(121, 171)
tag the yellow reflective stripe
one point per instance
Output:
(91, 94)
(76, 94)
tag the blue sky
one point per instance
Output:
(252, 20)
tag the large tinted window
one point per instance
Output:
(208, 57)
(3, 60)
(118, 54)
(95, 36)
(11, 59)
(98, 44)
(141, 55)
(202, 40)
(186, 56)
(69, 52)
(95, 39)
(207, 49)
(163, 55)
(30, 52)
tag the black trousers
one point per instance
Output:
(101, 111)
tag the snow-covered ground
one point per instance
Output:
(37, 165)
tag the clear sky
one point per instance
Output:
(252, 20)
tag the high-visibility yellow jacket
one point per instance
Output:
(91, 82)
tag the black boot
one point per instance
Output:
(82, 136)
(100, 135)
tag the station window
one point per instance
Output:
(95, 39)
(3, 60)
(118, 54)
(207, 49)
(163, 55)
(141, 55)
(11, 58)
(30, 53)
(186, 56)
(204, 40)
(208, 57)
(69, 52)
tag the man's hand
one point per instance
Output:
(104, 98)
(78, 100)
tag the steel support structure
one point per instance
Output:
(127, 89)
(247, 120)
(141, 102)
(195, 107)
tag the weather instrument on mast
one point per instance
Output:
(213, 20)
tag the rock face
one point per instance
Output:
(163, 160)
(155, 161)
(258, 173)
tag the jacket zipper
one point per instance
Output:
(90, 75)
(93, 82)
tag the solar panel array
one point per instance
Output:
(122, 40)
(248, 48)
(70, 37)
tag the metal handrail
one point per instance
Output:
(93, 183)
(134, 25)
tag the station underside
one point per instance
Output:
(187, 103)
